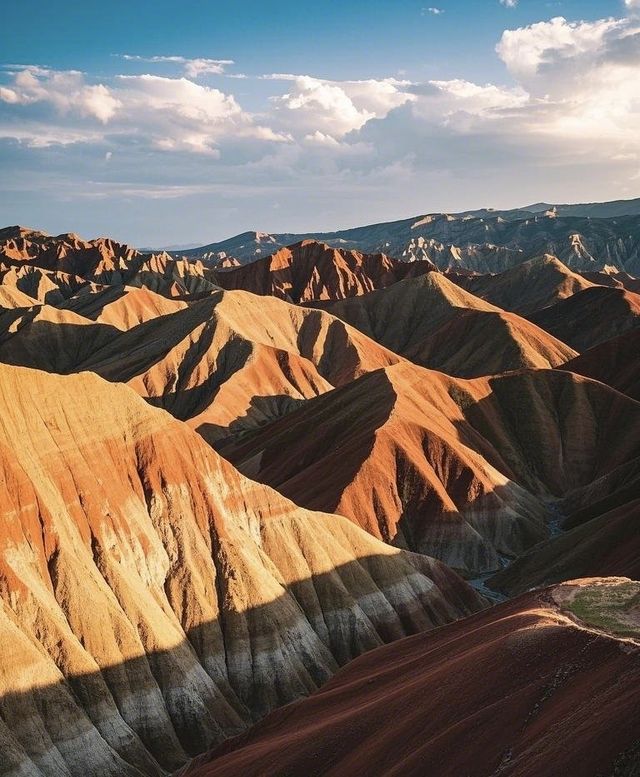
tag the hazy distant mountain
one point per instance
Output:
(584, 237)
(596, 210)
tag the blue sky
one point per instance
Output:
(384, 110)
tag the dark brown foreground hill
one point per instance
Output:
(545, 685)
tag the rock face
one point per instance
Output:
(461, 470)
(615, 362)
(562, 698)
(436, 324)
(314, 271)
(53, 268)
(590, 317)
(530, 286)
(225, 363)
(153, 601)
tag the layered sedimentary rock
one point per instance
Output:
(42, 285)
(225, 363)
(436, 324)
(546, 684)
(591, 316)
(52, 268)
(153, 601)
(530, 286)
(122, 306)
(615, 362)
(314, 271)
(461, 470)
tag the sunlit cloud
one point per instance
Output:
(569, 114)
(193, 68)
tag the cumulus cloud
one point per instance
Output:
(164, 113)
(433, 11)
(581, 77)
(545, 46)
(571, 119)
(509, 3)
(334, 107)
(569, 116)
(67, 91)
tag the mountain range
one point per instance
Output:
(367, 504)
(584, 237)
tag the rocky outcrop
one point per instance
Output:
(310, 271)
(53, 268)
(485, 241)
(153, 601)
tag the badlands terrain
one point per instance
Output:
(363, 502)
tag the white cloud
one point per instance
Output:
(528, 50)
(582, 79)
(567, 121)
(509, 3)
(433, 11)
(334, 107)
(67, 91)
(193, 68)
(171, 114)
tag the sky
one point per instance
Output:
(164, 124)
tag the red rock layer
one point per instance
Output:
(439, 325)
(461, 470)
(520, 690)
(225, 363)
(153, 600)
(314, 271)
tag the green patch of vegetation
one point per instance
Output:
(609, 607)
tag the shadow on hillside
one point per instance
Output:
(92, 303)
(120, 356)
(326, 428)
(56, 347)
(545, 432)
(262, 411)
(607, 545)
(340, 359)
(157, 710)
(183, 402)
